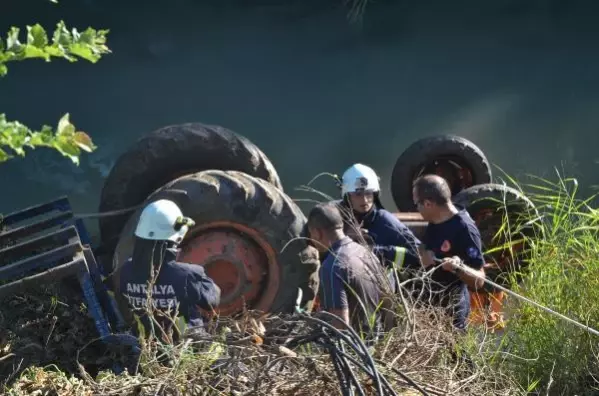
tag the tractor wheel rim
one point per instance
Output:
(239, 261)
(457, 174)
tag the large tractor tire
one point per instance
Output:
(457, 160)
(246, 236)
(164, 155)
(506, 220)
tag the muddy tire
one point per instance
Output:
(246, 221)
(456, 159)
(493, 206)
(164, 155)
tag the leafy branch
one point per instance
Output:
(89, 45)
(66, 140)
(66, 44)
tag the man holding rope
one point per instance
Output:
(453, 237)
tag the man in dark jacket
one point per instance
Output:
(352, 282)
(452, 236)
(165, 296)
(392, 241)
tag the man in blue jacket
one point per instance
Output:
(453, 237)
(393, 242)
(159, 290)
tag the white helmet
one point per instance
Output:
(359, 177)
(162, 220)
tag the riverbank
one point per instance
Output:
(537, 352)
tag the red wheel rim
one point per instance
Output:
(240, 262)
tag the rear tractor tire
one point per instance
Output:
(457, 160)
(506, 220)
(246, 236)
(164, 155)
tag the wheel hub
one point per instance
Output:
(236, 263)
(457, 175)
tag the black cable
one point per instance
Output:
(408, 380)
(357, 340)
(337, 351)
(344, 355)
(333, 350)
(340, 357)
(350, 372)
(369, 367)
(367, 370)
(356, 343)
(345, 387)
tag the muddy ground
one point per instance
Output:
(48, 325)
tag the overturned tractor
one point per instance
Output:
(247, 229)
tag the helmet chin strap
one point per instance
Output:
(377, 201)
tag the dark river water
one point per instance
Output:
(313, 90)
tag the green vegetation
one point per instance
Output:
(542, 351)
(70, 45)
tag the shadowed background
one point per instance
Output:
(314, 91)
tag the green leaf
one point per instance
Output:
(67, 148)
(84, 52)
(61, 35)
(84, 142)
(70, 45)
(36, 36)
(4, 156)
(44, 137)
(66, 140)
(30, 51)
(65, 127)
(12, 39)
(54, 51)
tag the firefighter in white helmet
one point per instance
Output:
(153, 280)
(393, 242)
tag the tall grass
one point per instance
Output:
(544, 352)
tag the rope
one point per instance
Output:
(525, 299)
(97, 215)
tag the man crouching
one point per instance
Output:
(352, 283)
(165, 296)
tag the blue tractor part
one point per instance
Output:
(46, 243)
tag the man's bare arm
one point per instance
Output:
(343, 314)
(471, 276)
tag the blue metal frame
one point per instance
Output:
(56, 246)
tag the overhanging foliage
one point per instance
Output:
(70, 45)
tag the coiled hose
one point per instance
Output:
(336, 341)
